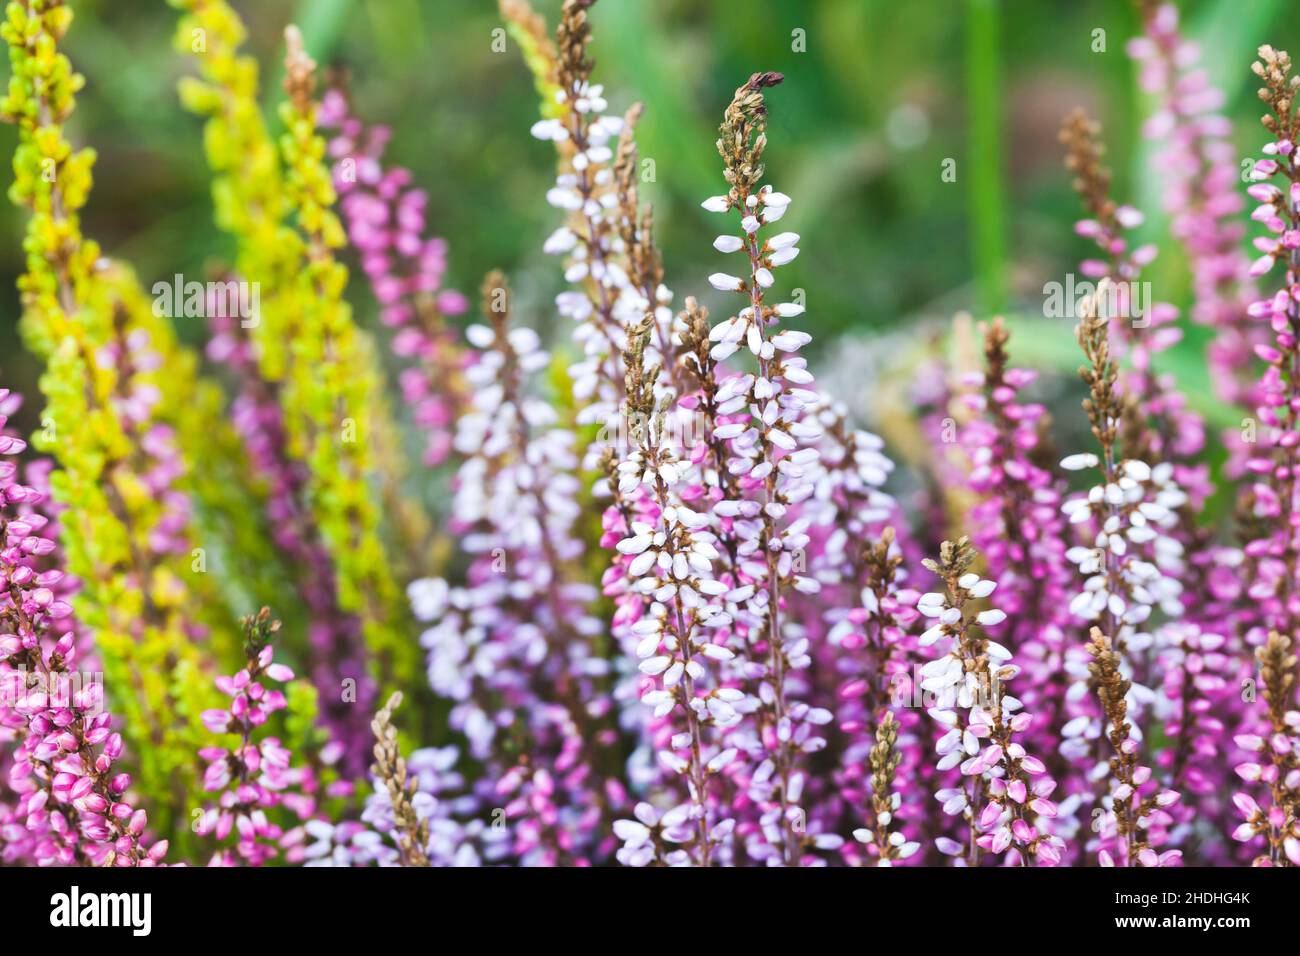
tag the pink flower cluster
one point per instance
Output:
(385, 218)
(253, 776)
(70, 807)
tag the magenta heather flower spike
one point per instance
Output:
(1272, 760)
(1272, 556)
(335, 635)
(1018, 527)
(1268, 568)
(1198, 166)
(386, 226)
(253, 775)
(71, 809)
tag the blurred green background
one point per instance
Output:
(879, 96)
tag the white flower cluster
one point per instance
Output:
(957, 688)
(603, 300)
(982, 718)
(772, 451)
(682, 640)
(517, 499)
(1122, 568)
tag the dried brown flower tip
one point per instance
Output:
(1278, 91)
(694, 320)
(759, 81)
(1083, 157)
(1110, 683)
(639, 381)
(390, 766)
(1103, 405)
(571, 39)
(955, 559)
(1277, 675)
(300, 70)
(996, 337)
(742, 136)
(496, 300)
(881, 566)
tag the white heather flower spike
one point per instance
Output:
(770, 467)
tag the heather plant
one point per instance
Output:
(652, 593)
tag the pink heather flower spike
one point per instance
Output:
(1268, 569)
(254, 775)
(1197, 162)
(385, 219)
(610, 261)
(769, 450)
(335, 635)
(1018, 527)
(1131, 566)
(72, 809)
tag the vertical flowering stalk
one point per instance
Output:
(332, 388)
(1157, 411)
(1137, 816)
(250, 204)
(610, 260)
(422, 812)
(305, 342)
(386, 222)
(583, 132)
(1273, 760)
(672, 551)
(1128, 515)
(1157, 425)
(513, 647)
(1018, 516)
(109, 361)
(412, 832)
(888, 846)
(1269, 569)
(251, 776)
(876, 652)
(847, 508)
(1129, 510)
(770, 448)
(1004, 790)
(71, 808)
(1018, 527)
(1274, 459)
(334, 635)
(1199, 174)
